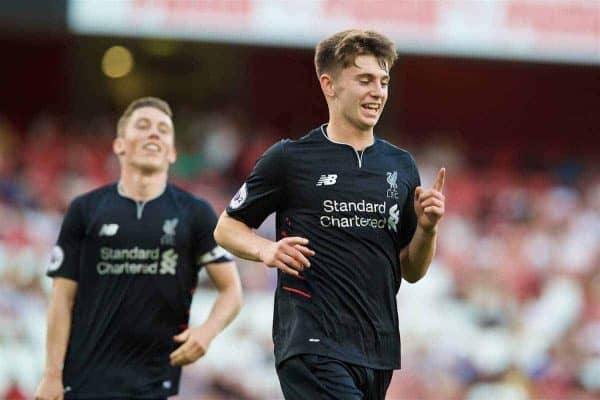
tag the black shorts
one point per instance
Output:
(311, 376)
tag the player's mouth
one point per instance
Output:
(152, 147)
(371, 108)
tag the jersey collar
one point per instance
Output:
(324, 133)
(122, 194)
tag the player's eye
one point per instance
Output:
(142, 123)
(164, 128)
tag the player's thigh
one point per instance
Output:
(309, 376)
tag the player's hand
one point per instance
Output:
(289, 255)
(195, 341)
(50, 388)
(430, 204)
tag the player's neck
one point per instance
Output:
(142, 187)
(341, 131)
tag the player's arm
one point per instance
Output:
(196, 340)
(57, 338)
(288, 254)
(64, 269)
(263, 192)
(429, 207)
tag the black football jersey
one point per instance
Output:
(356, 208)
(136, 265)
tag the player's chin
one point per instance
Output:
(152, 165)
(368, 122)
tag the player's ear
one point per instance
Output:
(327, 86)
(119, 146)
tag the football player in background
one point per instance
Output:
(125, 267)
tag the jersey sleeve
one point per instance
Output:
(409, 217)
(207, 250)
(65, 258)
(262, 192)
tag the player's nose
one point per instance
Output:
(377, 91)
(153, 135)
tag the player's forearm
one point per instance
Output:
(416, 257)
(225, 308)
(57, 336)
(239, 239)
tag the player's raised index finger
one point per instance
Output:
(439, 181)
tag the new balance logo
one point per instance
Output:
(327, 180)
(108, 230)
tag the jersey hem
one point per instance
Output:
(360, 361)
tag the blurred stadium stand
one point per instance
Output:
(510, 309)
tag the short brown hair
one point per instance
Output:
(155, 102)
(342, 48)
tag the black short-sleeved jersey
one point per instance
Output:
(356, 209)
(136, 264)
